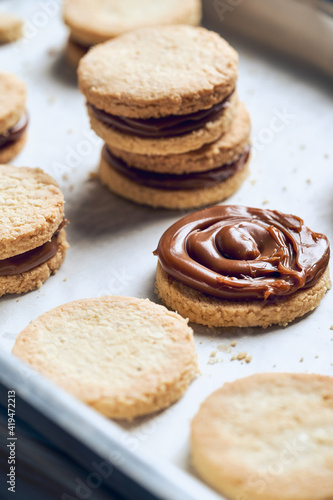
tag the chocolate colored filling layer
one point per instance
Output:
(235, 252)
(79, 45)
(34, 258)
(14, 133)
(159, 128)
(186, 182)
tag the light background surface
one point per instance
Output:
(112, 240)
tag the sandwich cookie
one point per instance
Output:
(201, 177)
(13, 116)
(123, 356)
(11, 27)
(32, 235)
(243, 267)
(267, 437)
(161, 91)
(95, 22)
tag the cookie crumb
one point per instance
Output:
(248, 358)
(331, 327)
(241, 355)
(302, 146)
(253, 182)
(316, 357)
(284, 188)
(326, 156)
(65, 279)
(301, 360)
(65, 177)
(52, 52)
(308, 181)
(233, 343)
(213, 354)
(265, 202)
(93, 175)
(212, 361)
(18, 300)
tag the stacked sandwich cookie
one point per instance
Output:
(32, 235)
(164, 101)
(95, 22)
(13, 116)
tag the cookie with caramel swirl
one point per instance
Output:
(239, 266)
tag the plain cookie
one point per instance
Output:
(11, 27)
(123, 356)
(267, 437)
(96, 22)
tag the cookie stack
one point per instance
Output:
(13, 116)
(96, 22)
(164, 101)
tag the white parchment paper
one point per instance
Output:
(112, 240)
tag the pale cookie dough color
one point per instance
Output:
(101, 20)
(164, 101)
(123, 356)
(244, 267)
(163, 90)
(11, 27)
(32, 235)
(267, 437)
(197, 178)
(13, 116)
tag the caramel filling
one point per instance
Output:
(14, 133)
(34, 258)
(159, 128)
(235, 252)
(186, 182)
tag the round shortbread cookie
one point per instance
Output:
(172, 199)
(12, 101)
(9, 152)
(123, 356)
(74, 52)
(211, 132)
(267, 437)
(11, 27)
(30, 280)
(101, 20)
(225, 150)
(156, 72)
(31, 208)
(211, 311)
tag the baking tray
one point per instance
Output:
(112, 241)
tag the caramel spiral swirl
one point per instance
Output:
(235, 252)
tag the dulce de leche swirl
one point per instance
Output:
(235, 252)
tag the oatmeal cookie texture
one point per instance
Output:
(172, 110)
(240, 266)
(13, 116)
(32, 236)
(123, 356)
(267, 437)
(11, 27)
(91, 23)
